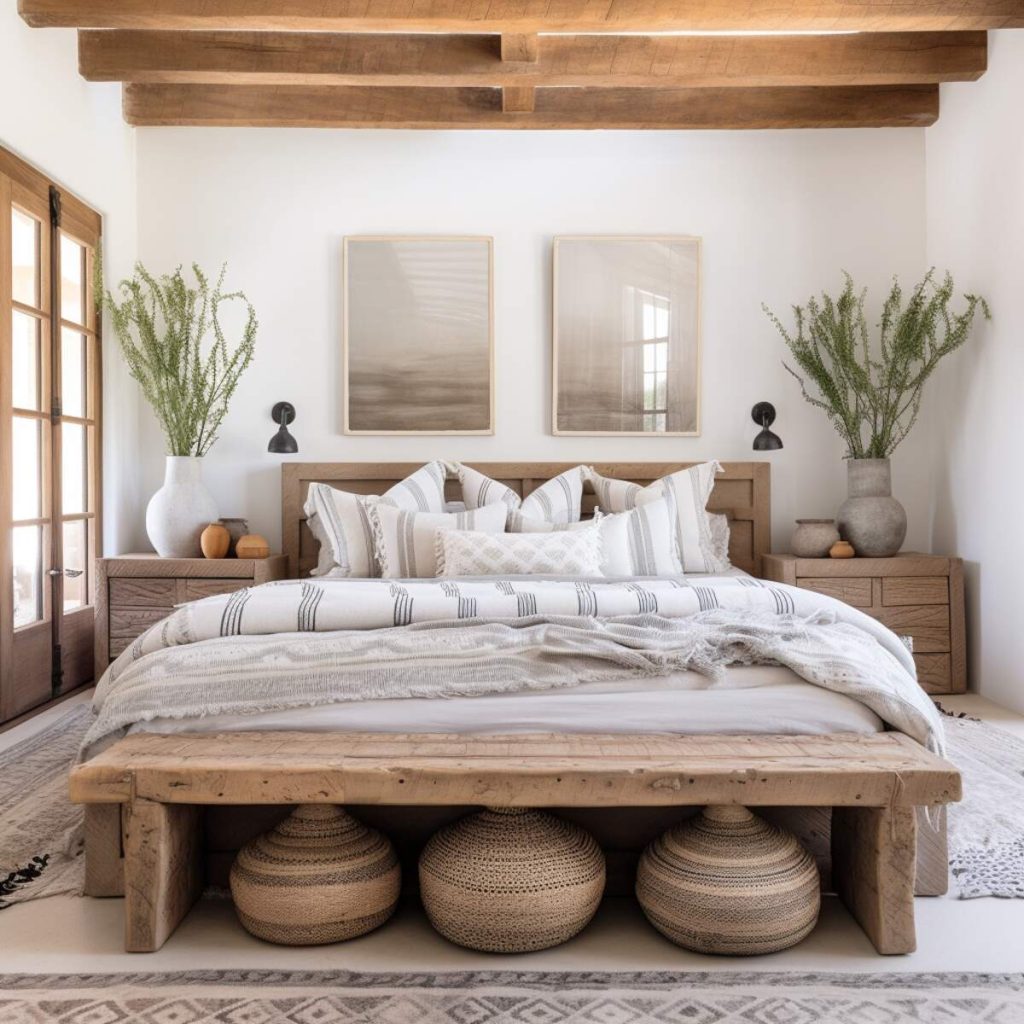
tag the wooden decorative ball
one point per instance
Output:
(319, 876)
(252, 545)
(728, 882)
(509, 880)
(215, 541)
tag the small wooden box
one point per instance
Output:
(917, 596)
(135, 591)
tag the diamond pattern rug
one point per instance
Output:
(511, 997)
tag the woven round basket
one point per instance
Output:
(511, 880)
(319, 876)
(728, 882)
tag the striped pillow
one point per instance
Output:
(340, 522)
(687, 493)
(479, 490)
(405, 542)
(641, 542)
(558, 500)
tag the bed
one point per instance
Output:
(799, 723)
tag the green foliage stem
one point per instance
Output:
(162, 325)
(870, 389)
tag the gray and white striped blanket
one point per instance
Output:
(302, 643)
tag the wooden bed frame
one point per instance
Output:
(852, 799)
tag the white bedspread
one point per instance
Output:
(350, 650)
(747, 700)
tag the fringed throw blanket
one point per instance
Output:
(253, 651)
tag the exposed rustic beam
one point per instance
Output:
(317, 58)
(518, 99)
(529, 15)
(389, 107)
(520, 48)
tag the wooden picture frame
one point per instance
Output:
(685, 339)
(449, 412)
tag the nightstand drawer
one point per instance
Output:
(128, 623)
(901, 590)
(934, 672)
(856, 592)
(143, 593)
(196, 589)
(928, 625)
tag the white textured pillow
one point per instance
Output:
(565, 553)
(406, 542)
(479, 490)
(558, 501)
(341, 524)
(641, 542)
(687, 493)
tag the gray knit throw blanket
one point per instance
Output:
(467, 658)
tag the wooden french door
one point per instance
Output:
(49, 438)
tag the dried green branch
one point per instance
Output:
(871, 392)
(162, 325)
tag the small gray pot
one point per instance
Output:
(871, 519)
(813, 538)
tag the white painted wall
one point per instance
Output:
(73, 131)
(780, 213)
(975, 209)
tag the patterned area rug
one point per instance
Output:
(986, 829)
(41, 844)
(41, 832)
(512, 997)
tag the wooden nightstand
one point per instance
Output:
(134, 591)
(920, 596)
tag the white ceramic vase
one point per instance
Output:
(177, 514)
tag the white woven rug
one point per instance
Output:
(512, 997)
(41, 832)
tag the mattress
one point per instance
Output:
(746, 700)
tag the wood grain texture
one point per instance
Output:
(887, 769)
(162, 870)
(518, 99)
(421, 59)
(528, 16)
(606, 108)
(918, 596)
(104, 864)
(742, 493)
(873, 870)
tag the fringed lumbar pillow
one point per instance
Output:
(728, 882)
(406, 542)
(510, 881)
(687, 493)
(340, 520)
(320, 876)
(566, 553)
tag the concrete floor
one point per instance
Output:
(70, 934)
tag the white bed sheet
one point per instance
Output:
(747, 700)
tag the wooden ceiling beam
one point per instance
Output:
(523, 16)
(390, 107)
(313, 58)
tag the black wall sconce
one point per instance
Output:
(282, 443)
(763, 414)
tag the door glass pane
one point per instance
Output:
(72, 280)
(26, 503)
(73, 468)
(28, 575)
(25, 362)
(25, 252)
(74, 562)
(72, 372)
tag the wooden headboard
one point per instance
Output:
(742, 492)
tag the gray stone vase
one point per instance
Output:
(871, 519)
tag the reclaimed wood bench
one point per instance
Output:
(873, 783)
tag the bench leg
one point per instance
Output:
(162, 872)
(104, 869)
(874, 854)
